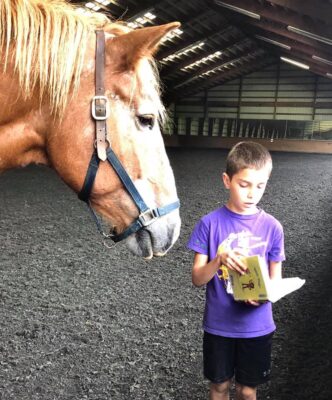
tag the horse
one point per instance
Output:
(104, 142)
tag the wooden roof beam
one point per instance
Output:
(282, 17)
(300, 47)
(266, 26)
(314, 9)
(130, 13)
(315, 67)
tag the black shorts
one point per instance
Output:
(248, 359)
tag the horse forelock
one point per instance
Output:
(45, 42)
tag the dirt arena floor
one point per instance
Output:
(81, 321)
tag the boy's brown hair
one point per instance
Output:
(247, 155)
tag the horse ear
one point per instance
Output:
(142, 42)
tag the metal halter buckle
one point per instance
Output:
(147, 217)
(100, 112)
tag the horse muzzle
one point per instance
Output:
(157, 238)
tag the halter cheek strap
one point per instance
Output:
(104, 152)
(100, 109)
(146, 214)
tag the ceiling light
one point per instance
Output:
(183, 52)
(221, 67)
(141, 20)
(83, 11)
(212, 71)
(238, 9)
(293, 62)
(149, 15)
(177, 31)
(203, 60)
(310, 35)
(92, 6)
(172, 34)
(103, 2)
(132, 25)
(323, 60)
(284, 46)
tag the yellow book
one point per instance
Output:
(257, 285)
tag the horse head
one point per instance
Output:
(133, 133)
(47, 83)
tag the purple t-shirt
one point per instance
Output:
(259, 234)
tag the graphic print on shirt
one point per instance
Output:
(243, 241)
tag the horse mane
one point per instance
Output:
(45, 41)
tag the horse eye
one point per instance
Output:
(146, 121)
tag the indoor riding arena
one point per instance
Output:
(82, 318)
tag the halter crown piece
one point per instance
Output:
(100, 112)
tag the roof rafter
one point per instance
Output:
(316, 9)
(279, 30)
(204, 53)
(220, 63)
(186, 42)
(315, 66)
(221, 78)
(282, 17)
(294, 46)
(143, 6)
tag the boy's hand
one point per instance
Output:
(253, 303)
(233, 260)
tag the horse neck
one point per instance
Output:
(22, 127)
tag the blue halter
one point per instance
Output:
(104, 152)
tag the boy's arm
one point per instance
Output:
(203, 271)
(275, 269)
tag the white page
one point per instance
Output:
(281, 287)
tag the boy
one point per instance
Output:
(237, 335)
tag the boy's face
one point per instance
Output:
(246, 189)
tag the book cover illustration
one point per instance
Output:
(257, 285)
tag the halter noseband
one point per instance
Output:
(103, 152)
